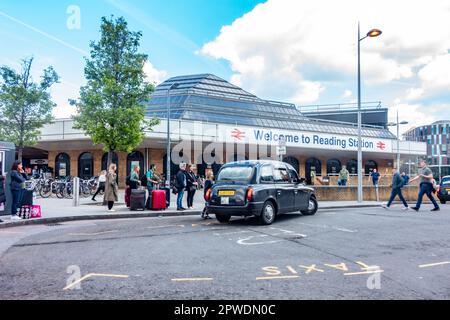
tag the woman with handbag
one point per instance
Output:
(17, 188)
(112, 189)
(191, 185)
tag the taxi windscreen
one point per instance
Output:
(235, 173)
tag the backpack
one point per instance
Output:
(144, 181)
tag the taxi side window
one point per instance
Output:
(294, 175)
(281, 175)
(266, 174)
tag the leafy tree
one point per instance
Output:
(111, 106)
(25, 106)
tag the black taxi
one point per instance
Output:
(262, 188)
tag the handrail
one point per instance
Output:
(339, 106)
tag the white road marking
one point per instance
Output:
(434, 264)
(363, 272)
(323, 226)
(230, 233)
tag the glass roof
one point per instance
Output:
(208, 98)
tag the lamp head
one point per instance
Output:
(374, 33)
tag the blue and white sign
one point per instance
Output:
(313, 140)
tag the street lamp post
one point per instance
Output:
(372, 33)
(168, 158)
(391, 124)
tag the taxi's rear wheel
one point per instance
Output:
(312, 207)
(268, 213)
(223, 218)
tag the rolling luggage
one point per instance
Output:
(148, 203)
(137, 200)
(158, 200)
(167, 190)
(127, 196)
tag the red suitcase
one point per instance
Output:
(158, 200)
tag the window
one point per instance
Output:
(235, 173)
(62, 163)
(266, 174)
(281, 175)
(370, 165)
(294, 176)
(352, 167)
(86, 165)
(333, 167)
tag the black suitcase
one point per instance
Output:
(167, 190)
(148, 203)
(137, 200)
(27, 198)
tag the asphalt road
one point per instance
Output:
(336, 254)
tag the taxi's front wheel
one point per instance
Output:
(223, 218)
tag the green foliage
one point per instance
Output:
(111, 105)
(25, 106)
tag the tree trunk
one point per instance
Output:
(20, 153)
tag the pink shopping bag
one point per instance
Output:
(36, 211)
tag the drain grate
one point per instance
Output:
(53, 224)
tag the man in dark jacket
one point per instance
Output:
(397, 185)
(2, 191)
(181, 184)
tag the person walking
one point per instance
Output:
(191, 186)
(405, 178)
(426, 187)
(17, 187)
(375, 176)
(101, 184)
(111, 189)
(397, 184)
(207, 186)
(343, 176)
(180, 184)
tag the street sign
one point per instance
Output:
(281, 151)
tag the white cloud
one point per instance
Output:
(347, 94)
(436, 74)
(295, 49)
(153, 75)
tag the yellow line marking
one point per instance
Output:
(191, 279)
(364, 272)
(167, 226)
(311, 268)
(434, 264)
(92, 234)
(364, 266)
(12, 232)
(277, 277)
(90, 275)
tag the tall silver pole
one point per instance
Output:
(168, 141)
(398, 144)
(360, 189)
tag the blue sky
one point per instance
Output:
(290, 50)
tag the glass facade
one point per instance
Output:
(209, 98)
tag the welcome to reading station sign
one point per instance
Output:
(303, 139)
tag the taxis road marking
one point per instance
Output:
(434, 264)
(277, 277)
(90, 275)
(191, 279)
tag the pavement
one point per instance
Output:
(351, 253)
(59, 210)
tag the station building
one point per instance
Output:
(206, 110)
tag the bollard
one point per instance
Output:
(76, 191)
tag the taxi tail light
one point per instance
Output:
(208, 195)
(249, 194)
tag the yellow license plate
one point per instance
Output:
(226, 193)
